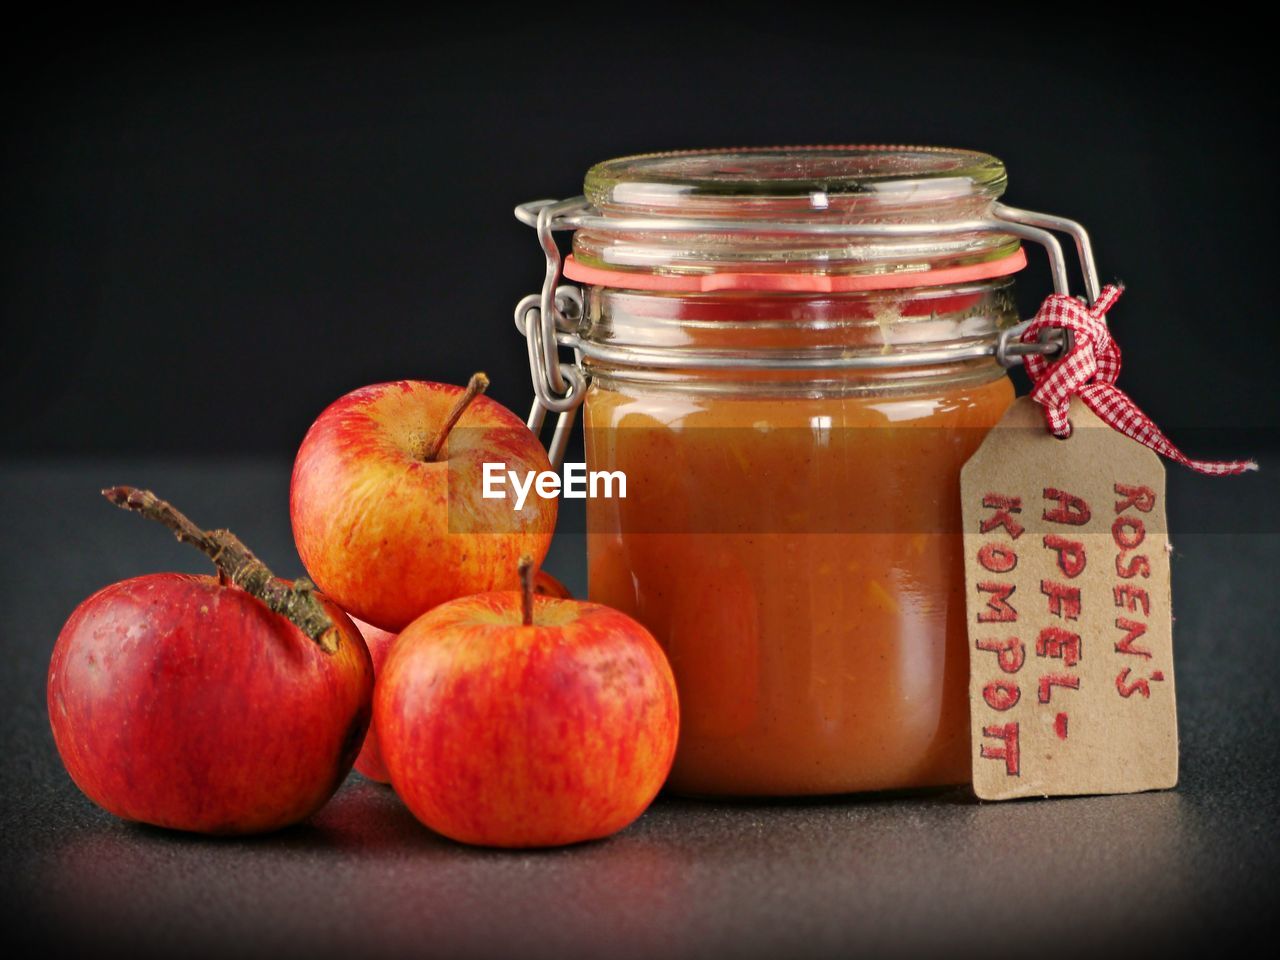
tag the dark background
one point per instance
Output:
(214, 225)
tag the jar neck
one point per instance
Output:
(875, 341)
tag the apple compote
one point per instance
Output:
(796, 550)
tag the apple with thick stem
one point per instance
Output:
(513, 720)
(231, 704)
(387, 499)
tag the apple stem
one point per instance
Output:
(237, 563)
(527, 574)
(477, 385)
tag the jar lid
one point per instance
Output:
(934, 205)
(797, 181)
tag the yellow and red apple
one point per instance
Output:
(527, 721)
(387, 499)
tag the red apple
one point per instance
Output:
(186, 702)
(390, 522)
(515, 721)
(548, 586)
(369, 762)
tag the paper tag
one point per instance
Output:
(1070, 630)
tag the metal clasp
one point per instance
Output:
(541, 318)
(1029, 225)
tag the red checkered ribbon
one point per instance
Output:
(1089, 371)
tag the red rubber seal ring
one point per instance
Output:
(793, 282)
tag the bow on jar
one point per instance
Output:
(1089, 370)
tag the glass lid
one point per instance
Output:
(801, 180)
(903, 187)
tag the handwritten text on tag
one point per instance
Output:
(1068, 607)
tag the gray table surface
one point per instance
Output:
(874, 875)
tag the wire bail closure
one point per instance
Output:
(549, 320)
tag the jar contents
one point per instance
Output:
(807, 662)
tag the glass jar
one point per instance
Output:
(790, 353)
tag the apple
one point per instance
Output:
(369, 762)
(387, 499)
(548, 586)
(508, 719)
(228, 705)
